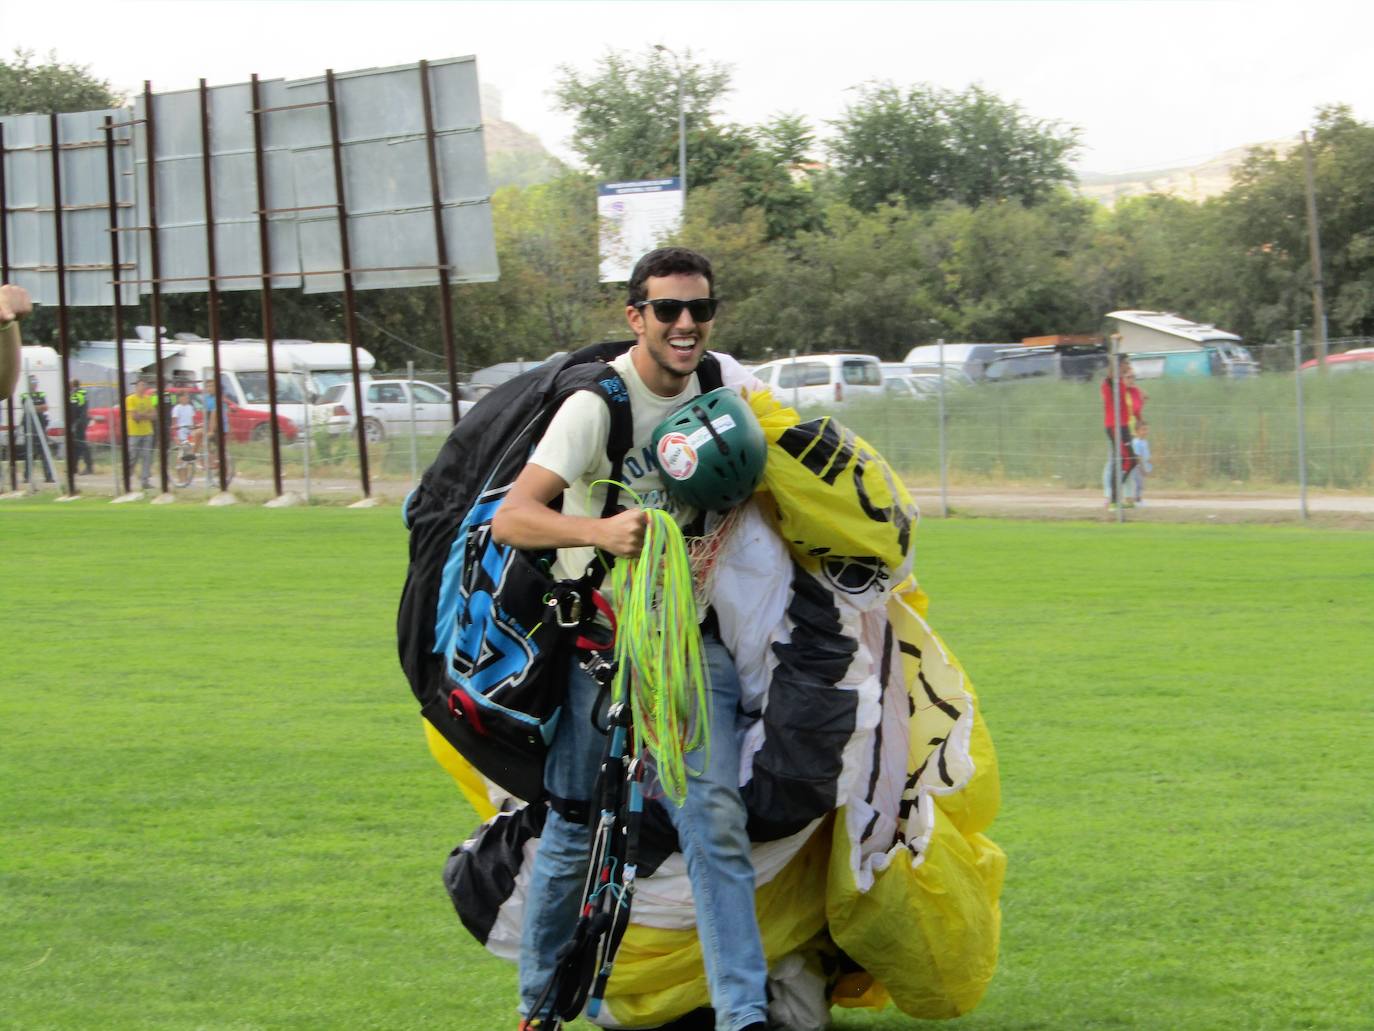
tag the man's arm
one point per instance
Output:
(14, 305)
(525, 519)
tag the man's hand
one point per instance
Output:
(623, 534)
(14, 303)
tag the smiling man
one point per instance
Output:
(671, 311)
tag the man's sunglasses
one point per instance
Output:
(667, 309)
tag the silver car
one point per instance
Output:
(387, 409)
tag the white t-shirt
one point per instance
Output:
(184, 416)
(574, 448)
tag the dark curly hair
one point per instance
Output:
(668, 261)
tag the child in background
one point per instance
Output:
(1140, 445)
(183, 419)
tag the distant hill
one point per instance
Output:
(1192, 182)
(514, 157)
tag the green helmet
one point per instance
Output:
(711, 451)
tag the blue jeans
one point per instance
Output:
(710, 825)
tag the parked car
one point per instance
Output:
(483, 381)
(1019, 366)
(968, 358)
(909, 387)
(245, 424)
(387, 408)
(828, 379)
(954, 378)
(1359, 360)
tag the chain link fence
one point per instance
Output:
(1208, 435)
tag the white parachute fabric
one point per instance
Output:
(868, 772)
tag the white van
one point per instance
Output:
(823, 379)
(45, 365)
(303, 369)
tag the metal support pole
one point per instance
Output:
(1302, 425)
(305, 458)
(346, 260)
(269, 334)
(1314, 248)
(1117, 485)
(440, 245)
(212, 285)
(5, 278)
(155, 265)
(944, 450)
(63, 336)
(414, 444)
(111, 189)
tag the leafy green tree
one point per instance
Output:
(1264, 217)
(549, 297)
(929, 144)
(626, 128)
(29, 87)
(627, 114)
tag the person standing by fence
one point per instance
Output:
(141, 428)
(36, 429)
(79, 406)
(1118, 414)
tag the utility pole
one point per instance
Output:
(681, 123)
(1314, 246)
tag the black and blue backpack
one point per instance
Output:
(483, 630)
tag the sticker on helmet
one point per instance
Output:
(720, 424)
(676, 456)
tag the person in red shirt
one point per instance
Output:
(1119, 416)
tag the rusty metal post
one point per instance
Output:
(5, 278)
(265, 264)
(112, 190)
(346, 260)
(440, 244)
(212, 283)
(155, 263)
(63, 335)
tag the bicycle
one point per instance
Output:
(190, 463)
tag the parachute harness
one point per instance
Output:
(660, 666)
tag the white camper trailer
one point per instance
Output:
(1161, 343)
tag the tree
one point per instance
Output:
(627, 128)
(549, 297)
(627, 114)
(931, 144)
(50, 86)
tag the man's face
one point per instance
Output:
(675, 347)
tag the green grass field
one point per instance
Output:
(217, 810)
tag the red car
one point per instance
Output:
(245, 424)
(1361, 359)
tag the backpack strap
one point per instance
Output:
(613, 391)
(708, 373)
(617, 397)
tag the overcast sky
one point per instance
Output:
(1151, 84)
